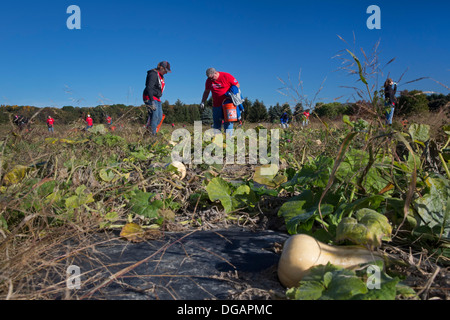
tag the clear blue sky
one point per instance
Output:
(43, 63)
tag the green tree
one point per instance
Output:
(332, 110)
(298, 112)
(271, 114)
(195, 112)
(274, 114)
(437, 101)
(286, 108)
(179, 111)
(412, 102)
(257, 112)
(207, 116)
(247, 105)
(169, 112)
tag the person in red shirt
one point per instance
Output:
(108, 120)
(305, 118)
(89, 121)
(218, 83)
(50, 122)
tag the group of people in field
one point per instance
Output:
(24, 123)
(225, 89)
(226, 101)
(284, 120)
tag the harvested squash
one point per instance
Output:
(180, 170)
(301, 252)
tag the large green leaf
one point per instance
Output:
(269, 175)
(299, 214)
(419, 132)
(343, 285)
(308, 290)
(230, 197)
(244, 196)
(140, 204)
(329, 282)
(219, 189)
(368, 227)
(353, 169)
(313, 174)
(371, 202)
(107, 175)
(80, 198)
(433, 207)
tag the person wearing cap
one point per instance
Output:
(218, 83)
(154, 88)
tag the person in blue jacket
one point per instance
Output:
(284, 120)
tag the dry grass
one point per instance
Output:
(38, 246)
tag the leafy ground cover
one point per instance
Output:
(347, 182)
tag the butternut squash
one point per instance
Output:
(302, 252)
(181, 170)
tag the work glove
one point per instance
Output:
(152, 106)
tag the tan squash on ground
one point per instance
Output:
(301, 252)
(181, 168)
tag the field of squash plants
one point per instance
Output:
(346, 182)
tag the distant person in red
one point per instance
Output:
(108, 121)
(90, 122)
(173, 125)
(50, 122)
(306, 117)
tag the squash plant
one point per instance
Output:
(400, 186)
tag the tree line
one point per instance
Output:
(409, 102)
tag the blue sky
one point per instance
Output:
(43, 63)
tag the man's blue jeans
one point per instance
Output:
(154, 117)
(218, 117)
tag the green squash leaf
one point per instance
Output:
(433, 207)
(140, 204)
(368, 227)
(419, 132)
(219, 189)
